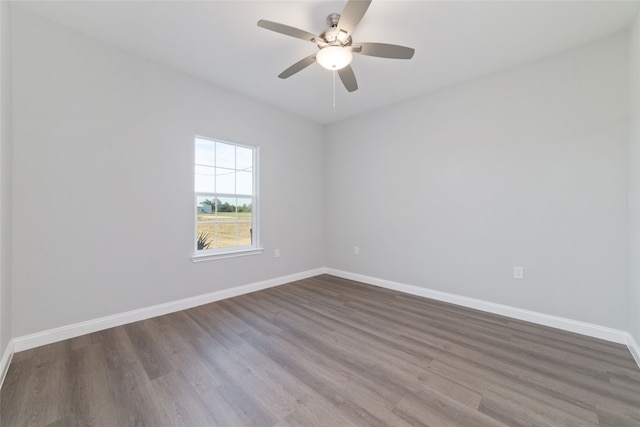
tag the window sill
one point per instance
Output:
(227, 254)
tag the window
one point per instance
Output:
(225, 200)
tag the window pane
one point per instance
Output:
(245, 221)
(227, 206)
(206, 232)
(244, 205)
(226, 181)
(244, 158)
(206, 208)
(226, 222)
(227, 233)
(205, 152)
(205, 179)
(205, 226)
(225, 155)
(244, 183)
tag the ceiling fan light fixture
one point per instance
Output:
(334, 57)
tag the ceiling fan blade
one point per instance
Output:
(298, 66)
(287, 30)
(383, 50)
(348, 78)
(352, 14)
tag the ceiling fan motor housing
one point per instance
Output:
(333, 19)
(332, 35)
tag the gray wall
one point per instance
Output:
(103, 181)
(526, 167)
(5, 176)
(634, 179)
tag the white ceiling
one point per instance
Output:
(220, 42)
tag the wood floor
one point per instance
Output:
(324, 352)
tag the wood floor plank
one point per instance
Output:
(241, 399)
(324, 351)
(92, 402)
(40, 393)
(351, 393)
(179, 403)
(149, 348)
(128, 382)
(430, 408)
(487, 380)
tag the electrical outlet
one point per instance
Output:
(518, 273)
(356, 250)
(277, 253)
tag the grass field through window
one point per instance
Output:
(231, 228)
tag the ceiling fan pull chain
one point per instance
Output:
(334, 88)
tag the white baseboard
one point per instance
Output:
(583, 328)
(70, 331)
(65, 332)
(634, 348)
(6, 361)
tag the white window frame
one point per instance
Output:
(237, 251)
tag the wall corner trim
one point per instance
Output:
(50, 336)
(583, 328)
(634, 348)
(6, 361)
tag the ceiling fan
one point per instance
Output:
(335, 44)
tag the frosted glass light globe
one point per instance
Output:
(334, 57)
